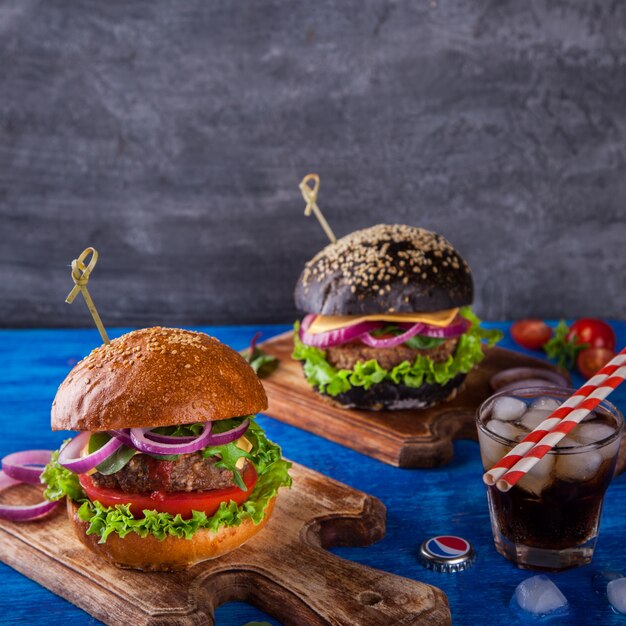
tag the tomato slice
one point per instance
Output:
(175, 502)
(596, 333)
(589, 361)
(531, 333)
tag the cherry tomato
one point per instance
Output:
(596, 333)
(531, 334)
(175, 502)
(590, 360)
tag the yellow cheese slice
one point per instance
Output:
(246, 446)
(324, 323)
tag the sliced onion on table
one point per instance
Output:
(518, 377)
(70, 458)
(333, 337)
(26, 466)
(26, 512)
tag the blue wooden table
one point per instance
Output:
(420, 503)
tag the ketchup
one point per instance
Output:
(160, 473)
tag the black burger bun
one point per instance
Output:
(388, 396)
(385, 269)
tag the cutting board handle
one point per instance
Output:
(309, 586)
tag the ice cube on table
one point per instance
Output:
(578, 465)
(539, 477)
(508, 409)
(546, 404)
(616, 592)
(533, 417)
(539, 596)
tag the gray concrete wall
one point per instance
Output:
(172, 136)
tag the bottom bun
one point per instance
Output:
(151, 555)
(387, 396)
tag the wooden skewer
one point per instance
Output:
(80, 276)
(310, 197)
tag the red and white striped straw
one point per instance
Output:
(511, 467)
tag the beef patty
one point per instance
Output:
(346, 355)
(144, 474)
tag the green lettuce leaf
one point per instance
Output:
(118, 519)
(60, 482)
(327, 378)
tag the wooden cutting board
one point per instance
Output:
(412, 438)
(285, 570)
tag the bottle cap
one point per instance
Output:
(446, 553)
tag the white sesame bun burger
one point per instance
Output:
(169, 468)
(388, 323)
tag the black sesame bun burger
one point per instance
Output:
(169, 468)
(388, 323)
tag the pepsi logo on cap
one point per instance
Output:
(448, 546)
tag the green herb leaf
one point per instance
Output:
(229, 454)
(417, 342)
(261, 362)
(562, 350)
(421, 342)
(327, 378)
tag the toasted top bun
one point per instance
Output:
(385, 269)
(157, 377)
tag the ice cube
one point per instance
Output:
(616, 592)
(579, 465)
(592, 415)
(539, 477)
(533, 417)
(505, 429)
(546, 404)
(591, 432)
(539, 596)
(567, 442)
(491, 451)
(508, 409)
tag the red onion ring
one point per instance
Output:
(333, 337)
(21, 465)
(143, 443)
(363, 330)
(22, 513)
(70, 458)
(533, 375)
(392, 342)
(151, 443)
(221, 439)
(124, 436)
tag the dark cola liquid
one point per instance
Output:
(564, 515)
